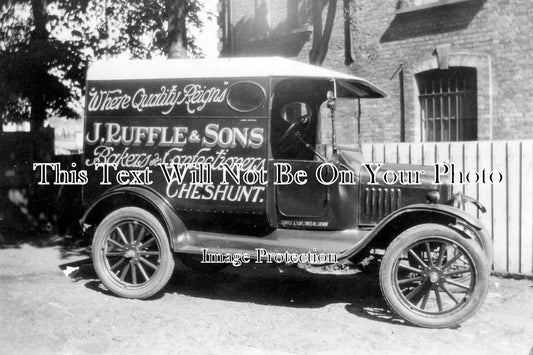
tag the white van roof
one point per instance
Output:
(117, 69)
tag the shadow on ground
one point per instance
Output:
(18, 226)
(68, 246)
(271, 286)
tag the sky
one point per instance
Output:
(207, 39)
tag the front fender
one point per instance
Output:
(141, 196)
(436, 211)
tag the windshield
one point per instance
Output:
(345, 124)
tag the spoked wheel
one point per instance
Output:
(460, 264)
(131, 253)
(446, 251)
(433, 277)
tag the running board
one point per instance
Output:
(278, 241)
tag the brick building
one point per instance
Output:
(466, 65)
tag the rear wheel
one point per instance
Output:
(131, 253)
(421, 291)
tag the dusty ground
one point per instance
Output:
(245, 310)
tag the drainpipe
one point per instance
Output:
(359, 123)
(332, 105)
(399, 71)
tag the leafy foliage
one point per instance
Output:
(44, 54)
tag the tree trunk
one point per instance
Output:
(38, 40)
(347, 33)
(177, 30)
(319, 47)
(317, 32)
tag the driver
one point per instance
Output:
(292, 124)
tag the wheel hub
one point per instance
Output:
(130, 254)
(433, 276)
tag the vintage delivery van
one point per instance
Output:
(239, 160)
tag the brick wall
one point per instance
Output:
(494, 36)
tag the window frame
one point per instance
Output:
(448, 104)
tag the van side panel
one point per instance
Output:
(190, 140)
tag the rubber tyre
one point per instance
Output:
(160, 276)
(483, 239)
(397, 301)
(193, 262)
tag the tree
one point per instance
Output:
(321, 36)
(36, 69)
(45, 46)
(141, 28)
(179, 13)
(347, 8)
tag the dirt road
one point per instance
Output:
(247, 310)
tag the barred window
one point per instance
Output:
(448, 104)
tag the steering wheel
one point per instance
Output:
(293, 128)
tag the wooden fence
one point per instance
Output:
(509, 204)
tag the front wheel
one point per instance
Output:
(131, 253)
(420, 291)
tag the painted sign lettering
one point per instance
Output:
(170, 98)
(125, 146)
(149, 124)
(193, 96)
